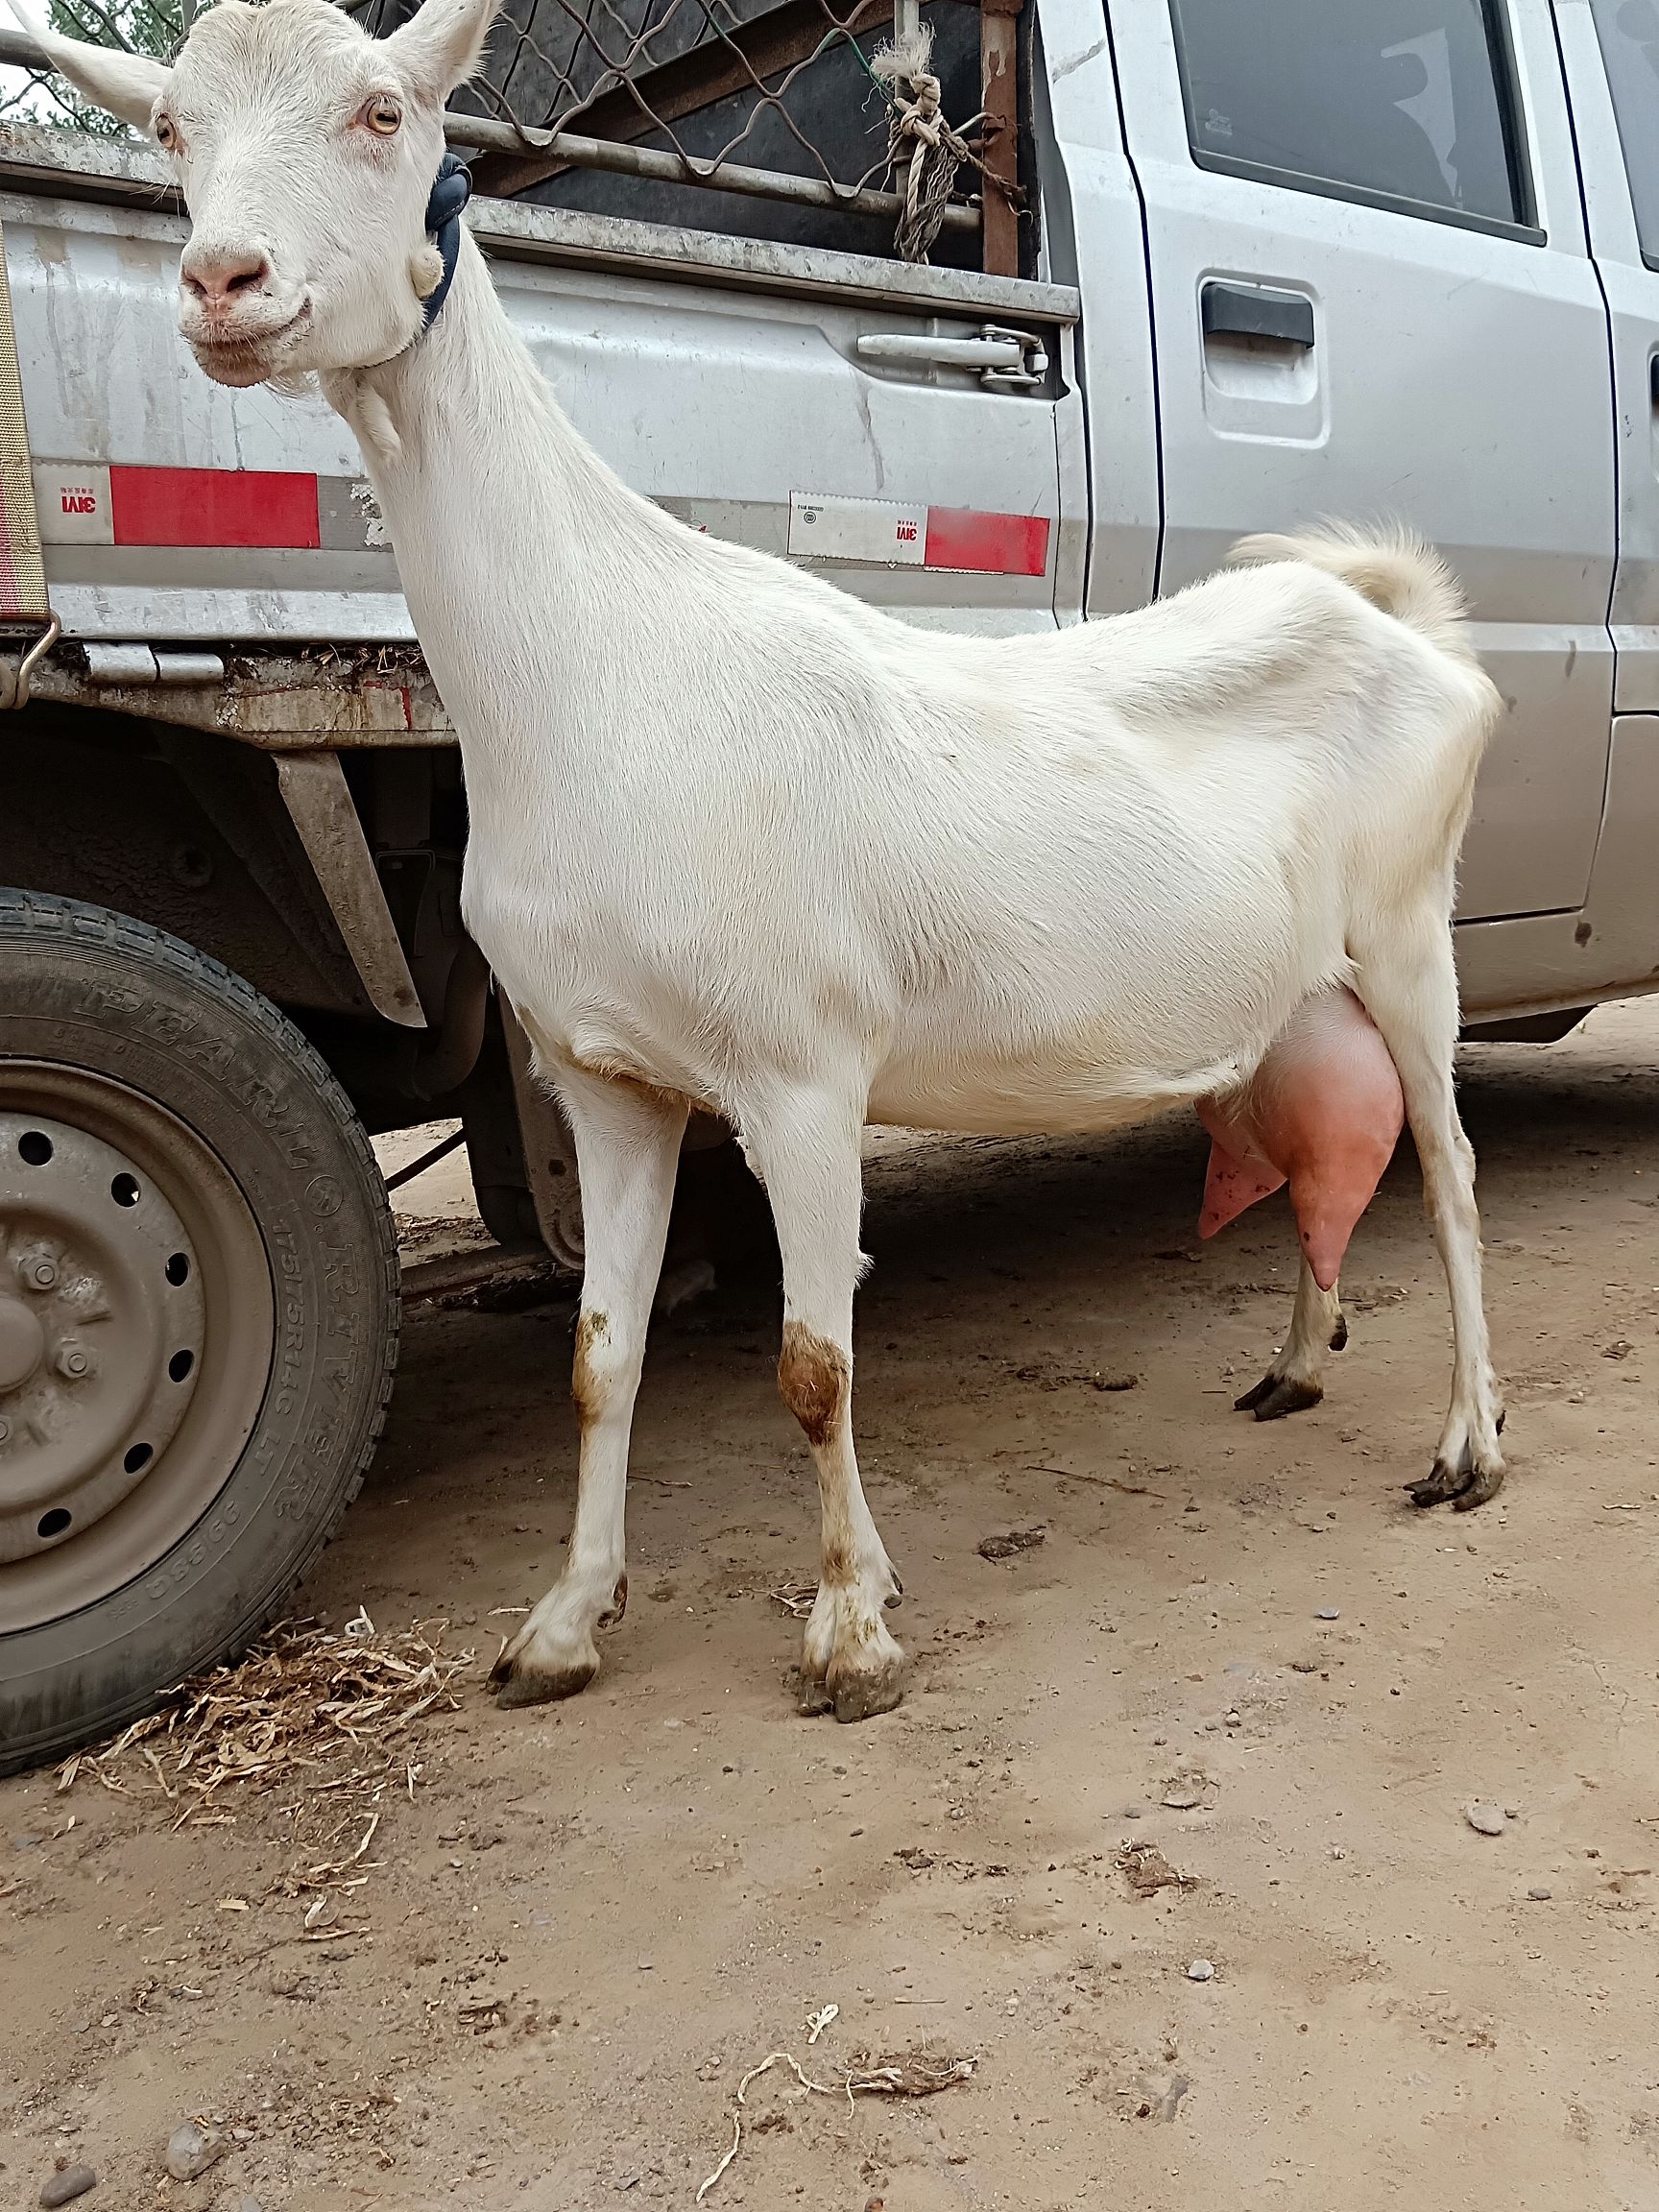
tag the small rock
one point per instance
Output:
(67, 2184)
(1327, 1613)
(1485, 1819)
(1200, 1970)
(1304, 1666)
(191, 2150)
(1539, 1897)
(1124, 1382)
(1184, 1796)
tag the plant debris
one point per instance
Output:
(331, 1717)
(796, 1599)
(1016, 1541)
(920, 2072)
(1149, 1871)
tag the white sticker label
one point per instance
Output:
(72, 500)
(875, 531)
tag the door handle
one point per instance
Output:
(1248, 311)
(997, 357)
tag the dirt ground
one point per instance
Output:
(593, 1918)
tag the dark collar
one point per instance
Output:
(451, 189)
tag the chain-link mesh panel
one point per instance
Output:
(726, 89)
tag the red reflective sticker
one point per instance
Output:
(213, 507)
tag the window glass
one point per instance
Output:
(1405, 100)
(1630, 34)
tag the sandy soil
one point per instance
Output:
(593, 1918)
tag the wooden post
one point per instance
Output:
(999, 99)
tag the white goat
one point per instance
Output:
(739, 841)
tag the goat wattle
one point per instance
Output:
(1323, 1113)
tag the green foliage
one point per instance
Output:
(141, 26)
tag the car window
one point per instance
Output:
(1401, 101)
(1630, 34)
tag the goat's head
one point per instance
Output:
(306, 152)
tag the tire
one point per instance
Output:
(219, 1312)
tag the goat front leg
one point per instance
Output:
(807, 1151)
(1295, 1379)
(627, 1152)
(1408, 985)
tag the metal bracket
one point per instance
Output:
(1032, 360)
(321, 809)
(15, 693)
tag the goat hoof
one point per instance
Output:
(895, 1597)
(1277, 1395)
(525, 1675)
(850, 1667)
(812, 1694)
(1463, 1486)
(1485, 1484)
(861, 1697)
(529, 1685)
(1340, 1335)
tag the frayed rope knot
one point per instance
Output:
(923, 149)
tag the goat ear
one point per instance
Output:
(126, 86)
(443, 45)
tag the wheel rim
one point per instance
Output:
(136, 1330)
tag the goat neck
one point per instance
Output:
(523, 556)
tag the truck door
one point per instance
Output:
(1611, 49)
(1372, 297)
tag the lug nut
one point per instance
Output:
(72, 1363)
(5, 1431)
(40, 1275)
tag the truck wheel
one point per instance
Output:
(199, 1308)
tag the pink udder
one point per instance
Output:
(1323, 1113)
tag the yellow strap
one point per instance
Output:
(22, 572)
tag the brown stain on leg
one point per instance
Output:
(814, 1377)
(587, 1385)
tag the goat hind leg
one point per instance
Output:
(1409, 986)
(806, 1149)
(1294, 1381)
(627, 1151)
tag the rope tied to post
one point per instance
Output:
(924, 150)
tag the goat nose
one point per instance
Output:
(217, 276)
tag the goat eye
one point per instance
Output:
(166, 136)
(382, 115)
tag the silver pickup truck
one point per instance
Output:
(1222, 266)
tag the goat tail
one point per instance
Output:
(1392, 566)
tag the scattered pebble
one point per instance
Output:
(67, 2184)
(1200, 1970)
(192, 2150)
(1327, 1613)
(1123, 1381)
(1184, 1796)
(1485, 1819)
(1539, 1897)
(1304, 1666)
